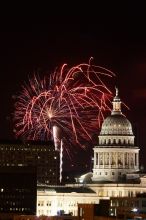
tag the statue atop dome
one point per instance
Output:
(116, 104)
(117, 91)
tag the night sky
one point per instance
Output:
(115, 37)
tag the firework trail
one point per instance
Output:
(67, 105)
(61, 161)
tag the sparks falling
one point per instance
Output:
(67, 105)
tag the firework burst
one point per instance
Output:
(67, 105)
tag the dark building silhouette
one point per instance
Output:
(36, 154)
(90, 211)
(18, 190)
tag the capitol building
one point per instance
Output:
(116, 155)
(115, 170)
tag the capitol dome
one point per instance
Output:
(116, 123)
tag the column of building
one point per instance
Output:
(102, 157)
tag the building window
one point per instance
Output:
(113, 173)
(135, 159)
(96, 158)
(49, 203)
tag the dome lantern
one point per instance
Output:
(116, 104)
(116, 123)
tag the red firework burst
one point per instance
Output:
(67, 104)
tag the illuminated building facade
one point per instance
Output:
(43, 157)
(51, 200)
